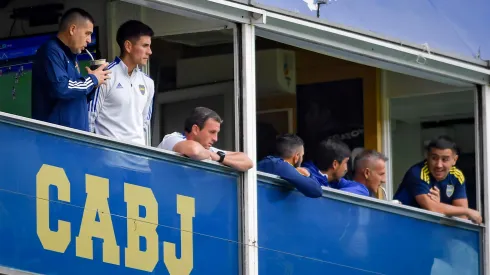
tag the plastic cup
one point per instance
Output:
(94, 64)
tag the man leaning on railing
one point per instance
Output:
(286, 164)
(369, 174)
(329, 164)
(201, 130)
(438, 170)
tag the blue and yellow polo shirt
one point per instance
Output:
(418, 180)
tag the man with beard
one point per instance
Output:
(438, 170)
(286, 164)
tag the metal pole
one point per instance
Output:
(386, 133)
(485, 126)
(478, 147)
(249, 206)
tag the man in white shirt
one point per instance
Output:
(122, 108)
(200, 133)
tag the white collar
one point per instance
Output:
(325, 175)
(125, 68)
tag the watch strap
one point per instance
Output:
(221, 156)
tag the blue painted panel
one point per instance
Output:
(451, 26)
(215, 225)
(299, 235)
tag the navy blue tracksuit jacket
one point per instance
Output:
(277, 166)
(59, 93)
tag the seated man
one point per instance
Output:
(200, 133)
(286, 164)
(329, 163)
(437, 170)
(369, 174)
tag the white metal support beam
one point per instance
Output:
(340, 43)
(219, 9)
(111, 29)
(386, 134)
(11, 271)
(250, 228)
(485, 117)
(369, 51)
(478, 146)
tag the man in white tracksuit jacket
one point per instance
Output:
(122, 108)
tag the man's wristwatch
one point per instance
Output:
(221, 156)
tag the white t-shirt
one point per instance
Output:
(122, 108)
(170, 140)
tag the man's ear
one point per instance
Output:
(296, 158)
(367, 173)
(335, 164)
(128, 46)
(72, 29)
(195, 129)
(455, 159)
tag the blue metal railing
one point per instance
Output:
(63, 191)
(347, 234)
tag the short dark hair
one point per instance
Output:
(199, 116)
(328, 151)
(443, 142)
(71, 16)
(132, 30)
(287, 145)
(362, 159)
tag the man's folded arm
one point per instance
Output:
(306, 185)
(192, 149)
(238, 160)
